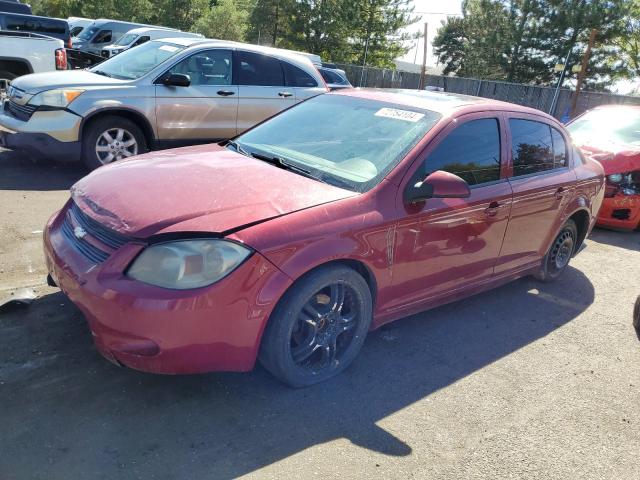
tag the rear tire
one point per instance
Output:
(560, 252)
(636, 314)
(109, 139)
(318, 327)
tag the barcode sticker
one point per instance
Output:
(397, 114)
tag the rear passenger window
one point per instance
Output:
(296, 77)
(559, 149)
(471, 151)
(261, 70)
(532, 147)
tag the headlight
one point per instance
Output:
(55, 98)
(186, 264)
(615, 178)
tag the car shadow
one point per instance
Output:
(64, 406)
(628, 240)
(20, 172)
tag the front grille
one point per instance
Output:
(621, 214)
(21, 112)
(112, 240)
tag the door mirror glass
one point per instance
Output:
(177, 80)
(439, 184)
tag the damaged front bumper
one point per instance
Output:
(620, 212)
(47, 134)
(152, 329)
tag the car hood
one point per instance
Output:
(39, 82)
(614, 157)
(195, 189)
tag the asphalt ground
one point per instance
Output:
(529, 380)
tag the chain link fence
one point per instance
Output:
(528, 95)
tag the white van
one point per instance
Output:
(138, 36)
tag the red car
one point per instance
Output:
(611, 135)
(333, 218)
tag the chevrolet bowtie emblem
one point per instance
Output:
(79, 232)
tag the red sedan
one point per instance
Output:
(611, 135)
(333, 218)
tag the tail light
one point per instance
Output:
(61, 59)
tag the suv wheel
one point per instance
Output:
(109, 139)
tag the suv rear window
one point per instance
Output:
(296, 77)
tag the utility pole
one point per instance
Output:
(556, 94)
(423, 71)
(583, 70)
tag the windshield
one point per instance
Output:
(127, 39)
(134, 63)
(346, 141)
(88, 33)
(617, 125)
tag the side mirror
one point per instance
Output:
(177, 80)
(439, 184)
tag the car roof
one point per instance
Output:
(141, 30)
(297, 58)
(441, 102)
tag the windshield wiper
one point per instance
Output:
(101, 72)
(279, 162)
(237, 146)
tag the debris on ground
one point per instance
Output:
(17, 298)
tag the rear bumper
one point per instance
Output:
(620, 212)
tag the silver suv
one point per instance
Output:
(163, 93)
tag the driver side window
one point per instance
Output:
(103, 37)
(471, 151)
(209, 67)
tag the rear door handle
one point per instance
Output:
(285, 94)
(225, 93)
(492, 209)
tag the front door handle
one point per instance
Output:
(285, 94)
(559, 193)
(492, 209)
(225, 93)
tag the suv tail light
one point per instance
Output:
(61, 59)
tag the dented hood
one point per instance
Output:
(614, 157)
(196, 189)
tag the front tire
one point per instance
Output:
(560, 252)
(636, 314)
(109, 139)
(318, 327)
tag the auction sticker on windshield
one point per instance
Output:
(398, 114)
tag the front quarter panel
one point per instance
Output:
(360, 228)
